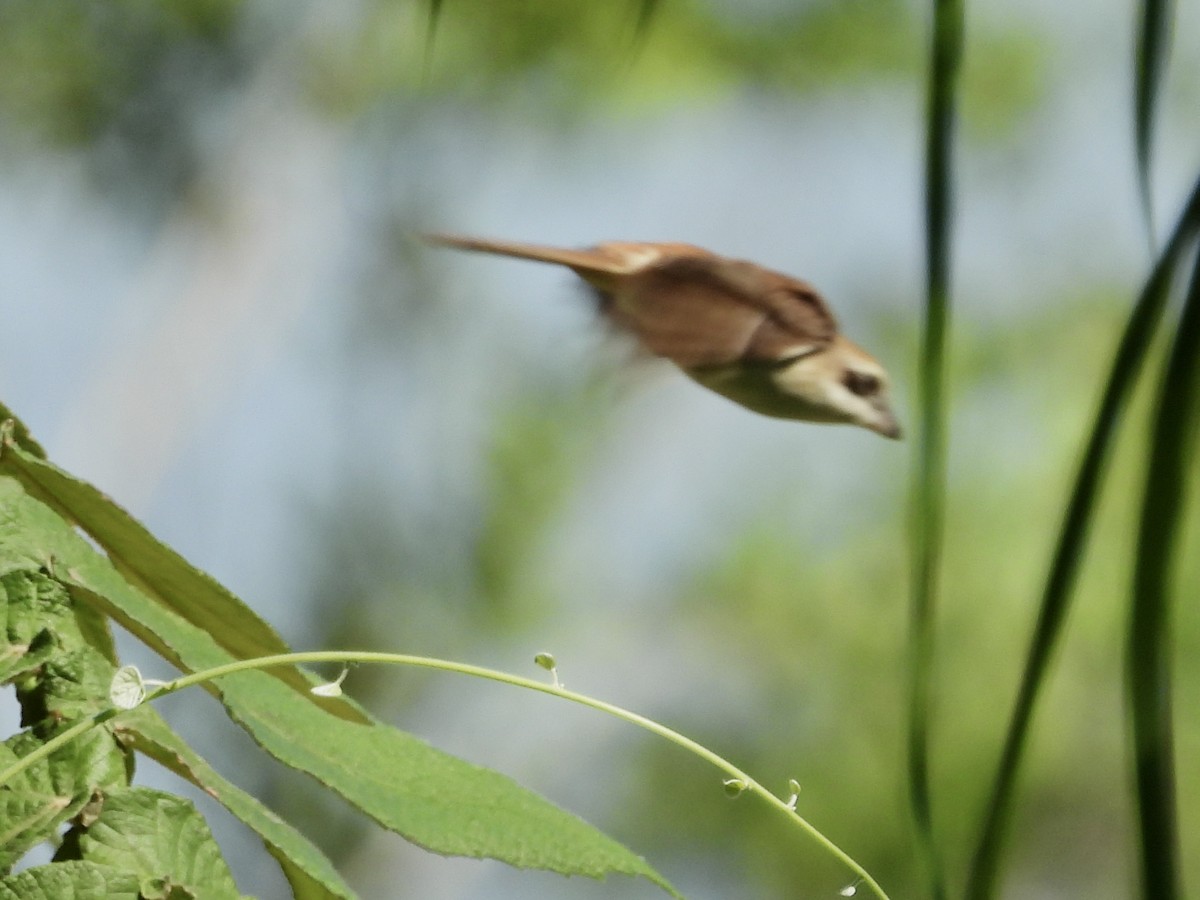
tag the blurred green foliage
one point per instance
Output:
(137, 82)
(567, 56)
(127, 79)
(1003, 82)
(537, 452)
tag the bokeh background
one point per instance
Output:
(213, 306)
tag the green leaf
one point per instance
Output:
(432, 799)
(19, 433)
(17, 660)
(35, 605)
(435, 800)
(643, 16)
(72, 880)
(927, 531)
(1153, 47)
(39, 800)
(60, 677)
(306, 868)
(1127, 365)
(163, 840)
(73, 644)
(1169, 468)
(36, 608)
(435, 16)
(69, 686)
(157, 570)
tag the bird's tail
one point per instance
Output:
(602, 260)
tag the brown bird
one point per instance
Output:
(764, 340)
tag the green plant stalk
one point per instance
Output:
(1072, 539)
(929, 473)
(1148, 657)
(1153, 47)
(400, 659)
(64, 737)
(431, 28)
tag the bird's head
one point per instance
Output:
(841, 383)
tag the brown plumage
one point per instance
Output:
(763, 339)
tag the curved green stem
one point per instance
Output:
(401, 659)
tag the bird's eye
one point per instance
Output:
(861, 384)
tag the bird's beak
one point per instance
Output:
(887, 424)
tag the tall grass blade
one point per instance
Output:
(646, 10)
(929, 472)
(435, 16)
(1168, 471)
(643, 17)
(1153, 47)
(1127, 364)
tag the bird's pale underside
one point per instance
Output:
(762, 339)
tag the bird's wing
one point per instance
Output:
(708, 311)
(686, 304)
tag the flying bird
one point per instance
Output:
(760, 338)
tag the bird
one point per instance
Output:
(764, 340)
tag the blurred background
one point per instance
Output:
(213, 306)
